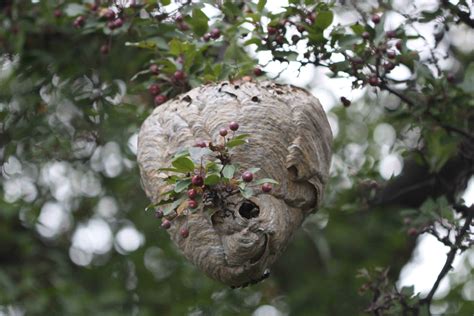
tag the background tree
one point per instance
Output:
(78, 77)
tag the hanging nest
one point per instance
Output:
(290, 141)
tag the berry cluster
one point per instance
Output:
(204, 176)
(373, 58)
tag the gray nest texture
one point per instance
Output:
(290, 141)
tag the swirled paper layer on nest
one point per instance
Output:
(291, 143)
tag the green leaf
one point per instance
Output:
(358, 29)
(212, 179)
(408, 290)
(247, 192)
(253, 170)
(235, 142)
(199, 22)
(176, 47)
(150, 207)
(228, 171)
(323, 19)
(253, 40)
(183, 164)
(241, 136)
(165, 2)
(182, 185)
(265, 180)
(198, 153)
(170, 208)
(181, 153)
(261, 4)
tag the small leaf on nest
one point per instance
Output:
(241, 136)
(197, 153)
(183, 164)
(170, 208)
(235, 142)
(212, 179)
(181, 153)
(228, 171)
(265, 180)
(182, 185)
(247, 192)
(254, 170)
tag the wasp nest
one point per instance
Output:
(290, 141)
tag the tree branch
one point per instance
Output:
(462, 15)
(450, 258)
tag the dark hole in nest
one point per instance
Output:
(248, 210)
(255, 99)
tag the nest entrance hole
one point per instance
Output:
(249, 210)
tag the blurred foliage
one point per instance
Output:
(76, 82)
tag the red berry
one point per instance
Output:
(233, 126)
(223, 132)
(118, 23)
(388, 66)
(179, 75)
(345, 102)
(391, 34)
(160, 99)
(183, 26)
(266, 187)
(184, 232)
(166, 224)
(109, 14)
(376, 18)
(154, 69)
(366, 35)
(206, 37)
(247, 176)
(391, 54)
(215, 33)
(104, 49)
(272, 30)
(179, 18)
(398, 45)
(192, 193)
(159, 214)
(257, 72)
(111, 25)
(374, 80)
(280, 40)
(154, 89)
(197, 180)
(79, 22)
(58, 13)
(192, 204)
(201, 144)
